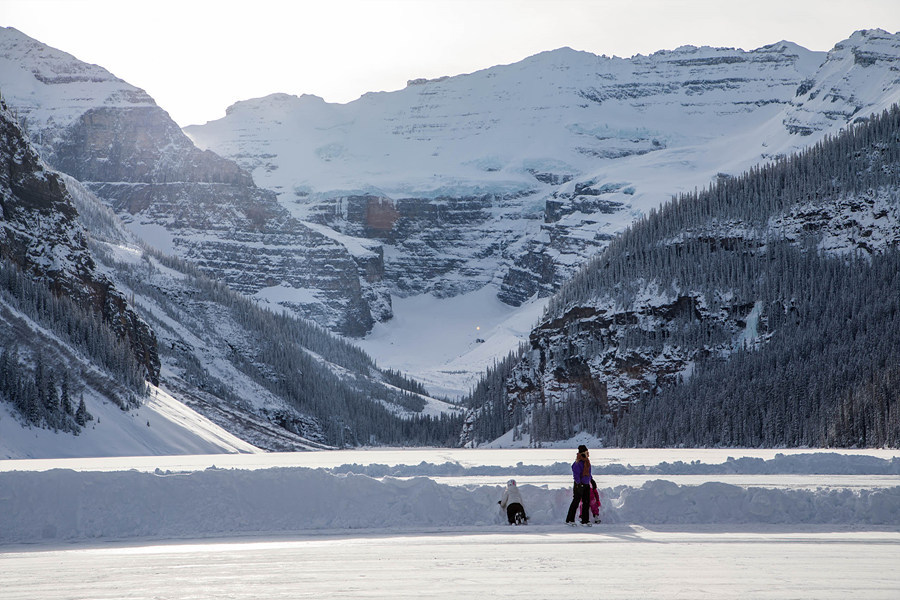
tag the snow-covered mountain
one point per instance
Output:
(70, 337)
(113, 138)
(512, 177)
(468, 198)
(504, 180)
(494, 176)
(88, 316)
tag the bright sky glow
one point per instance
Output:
(196, 57)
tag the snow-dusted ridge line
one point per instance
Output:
(216, 502)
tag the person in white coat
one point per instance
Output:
(512, 502)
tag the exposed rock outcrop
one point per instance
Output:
(113, 138)
(39, 232)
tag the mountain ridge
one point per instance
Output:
(513, 176)
(113, 138)
(760, 311)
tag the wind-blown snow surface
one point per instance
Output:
(416, 523)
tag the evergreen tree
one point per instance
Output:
(82, 416)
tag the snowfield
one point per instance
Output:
(161, 425)
(406, 523)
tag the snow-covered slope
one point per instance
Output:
(65, 325)
(507, 128)
(162, 426)
(113, 138)
(83, 304)
(513, 176)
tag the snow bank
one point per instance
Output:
(64, 505)
(713, 502)
(70, 505)
(817, 463)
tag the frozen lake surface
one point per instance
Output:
(424, 523)
(542, 562)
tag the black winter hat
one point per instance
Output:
(582, 448)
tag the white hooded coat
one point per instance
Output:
(511, 495)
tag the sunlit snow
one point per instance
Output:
(447, 343)
(798, 524)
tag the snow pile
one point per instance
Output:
(63, 504)
(68, 505)
(714, 502)
(817, 463)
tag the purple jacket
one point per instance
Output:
(577, 469)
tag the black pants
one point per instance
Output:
(581, 494)
(511, 511)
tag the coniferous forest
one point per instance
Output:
(812, 242)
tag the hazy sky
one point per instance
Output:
(196, 57)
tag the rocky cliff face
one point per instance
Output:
(138, 145)
(579, 354)
(240, 235)
(601, 349)
(113, 138)
(857, 76)
(516, 175)
(431, 242)
(41, 235)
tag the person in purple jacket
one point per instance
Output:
(581, 472)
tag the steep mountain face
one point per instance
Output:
(113, 138)
(515, 176)
(760, 312)
(489, 177)
(272, 380)
(67, 265)
(42, 238)
(859, 76)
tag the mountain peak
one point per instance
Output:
(564, 55)
(275, 104)
(872, 34)
(871, 39)
(31, 69)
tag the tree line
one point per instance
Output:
(36, 385)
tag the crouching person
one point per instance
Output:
(512, 502)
